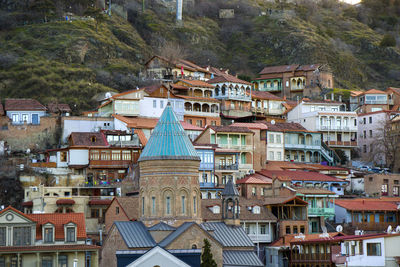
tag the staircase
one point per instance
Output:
(327, 153)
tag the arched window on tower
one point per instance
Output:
(153, 205)
(168, 205)
(183, 205)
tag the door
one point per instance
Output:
(339, 137)
(35, 119)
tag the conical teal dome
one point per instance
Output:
(169, 140)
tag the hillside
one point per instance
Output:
(71, 61)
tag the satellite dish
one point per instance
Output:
(108, 95)
(389, 229)
(339, 228)
(273, 122)
(398, 229)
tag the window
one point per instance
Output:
(189, 121)
(287, 83)
(365, 148)
(48, 235)
(63, 156)
(370, 119)
(47, 261)
(370, 179)
(395, 191)
(374, 249)
(254, 191)
(62, 261)
(263, 229)
(365, 120)
(396, 181)
(271, 155)
(216, 210)
(365, 134)
(15, 117)
(116, 210)
(256, 210)
(93, 139)
(278, 139)
(154, 103)
(2, 236)
(94, 213)
(199, 123)
(288, 230)
(22, 236)
(271, 138)
(71, 234)
(25, 117)
(161, 104)
(126, 155)
(143, 205)
(168, 205)
(183, 205)
(384, 190)
(116, 155)
(279, 155)
(194, 205)
(295, 229)
(94, 155)
(153, 205)
(302, 229)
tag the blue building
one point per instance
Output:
(23, 110)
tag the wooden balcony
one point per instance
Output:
(44, 165)
(111, 164)
(374, 226)
(342, 143)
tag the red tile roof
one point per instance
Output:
(190, 127)
(395, 90)
(100, 202)
(227, 78)
(142, 138)
(138, 122)
(300, 175)
(285, 126)
(279, 69)
(197, 83)
(23, 104)
(59, 220)
(198, 98)
(254, 179)
(249, 125)
(57, 107)
(366, 205)
(264, 95)
(88, 139)
(287, 239)
(374, 91)
(230, 129)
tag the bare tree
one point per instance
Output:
(172, 52)
(385, 146)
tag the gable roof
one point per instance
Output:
(129, 206)
(180, 63)
(9, 208)
(279, 69)
(265, 95)
(58, 107)
(169, 140)
(230, 129)
(250, 125)
(161, 254)
(228, 235)
(59, 220)
(138, 122)
(16, 104)
(287, 239)
(394, 89)
(283, 200)
(254, 178)
(88, 139)
(374, 91)
(224, 77)
(135, 234)
(366, 205)
(240, 258)
(172, 236)
(285, 126)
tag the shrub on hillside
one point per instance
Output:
(388, 40)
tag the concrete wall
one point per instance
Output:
(373, 183)
(364, 260)
(341, 215)
(85, 124)
(275, 147)
(78, 157)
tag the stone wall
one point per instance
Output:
(113, 242)
(112, 215)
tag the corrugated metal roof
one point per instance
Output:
(240, 258)
(169, 140)
(135, 234)
(227, 235)
(161, 227)
(171, 237)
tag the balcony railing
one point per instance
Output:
(302, 146)
(267, 111)
(207, 185)
(296, 88)
(376, 102)
(342, 143)
(206, 166)
(271, 89)
(232, 167)
(337, 128)
(201, 113)
(233, 96)
(260, 238)
(321, 211)
(374, 226)
(246, 166)
(237, 109)
(238, 146)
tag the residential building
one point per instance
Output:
(194, 88)
(208, 183)
(354, 100)
(294, 80)
(235, 153)
(24, 110)
(367, 214)
(59, 109)
(265, 104)
(84, 124)
(44, 240)
(201, 111)
(125, 104)
(393, 98)
(278, 253)
(160, 67)
(371, 131)
(321, 206)
(373, 100)
(377, 185)
(235, 96)
(338, 127)
(121, 209)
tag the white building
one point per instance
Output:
(153, 107)
(338, 127)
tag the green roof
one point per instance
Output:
(169, 140)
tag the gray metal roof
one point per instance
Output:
(171, 237)
(240, 258)
(161, 226)
(230, 189)
(135, 234)
(228, 235)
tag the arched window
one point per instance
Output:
(153, 205)
(168, 205)
(183, 200)
(194, 246)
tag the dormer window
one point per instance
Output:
(70, 232)
(93, 139)
(256, 210)
(48, 233)
(216, 210)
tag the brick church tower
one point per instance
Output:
(169, 188)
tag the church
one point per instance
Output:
(170, 230)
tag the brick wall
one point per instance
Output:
(111, 215)
(34, 137)
(373, 184)
(113, 242)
